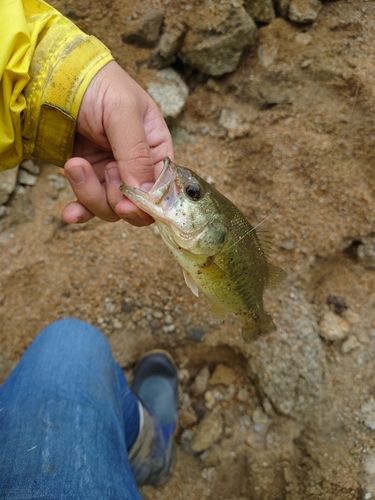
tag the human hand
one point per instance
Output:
(121, 137)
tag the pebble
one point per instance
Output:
(157, 314)
(26, 179)
(208, 474)
(333, 327)
(183, 375)
(350, 344)
(304, 38)
(186, 439)
(30, 167)
(58, 181)
(222, 375)
(259, 417)
(8, 180)
(233, 124)
(199, 386)
(367, 414)
(366, 252)
(187, 418)
(169, 328)
(196, 334)
(210, 400)
(117, 325)
(208, 432)
(243, 395)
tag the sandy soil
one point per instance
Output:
(307, 165)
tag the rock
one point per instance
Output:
(26, 179)
(214, 46)
(333, 327)
(282, 7)
(209, 431)
(30, 167)
(367, 414)
(350, 344)
(169, 92)
(209, 400)
(304, 11)
(208, 474)
(196, 334)
(366, 252)
(233, 124)
(259, 417)
(337, 304)
(183, 375)
(289, 366)
(304, 39)
(145, 30)
(59, 182)
(200, 383)
(261, 11)
(222, 375)
(186, 418)
(186, 439)
(8, 180)
(368, 483)
(170, 42)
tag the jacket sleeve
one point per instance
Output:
(46, 65)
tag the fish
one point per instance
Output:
(220, 253)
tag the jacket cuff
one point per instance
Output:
(64, 64)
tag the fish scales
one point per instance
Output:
(219, 251)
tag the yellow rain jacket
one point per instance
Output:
(46, 64)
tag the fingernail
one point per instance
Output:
(77, 175)
(113, 175)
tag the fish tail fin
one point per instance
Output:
(253, 330)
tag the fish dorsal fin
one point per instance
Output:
(275, 275)
(265, 239)
(191, 283)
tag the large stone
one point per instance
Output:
(8, 180)
(290, 370)
(215, 48)
(169, 92)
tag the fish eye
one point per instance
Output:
(193, 191)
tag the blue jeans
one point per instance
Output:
(67, 419)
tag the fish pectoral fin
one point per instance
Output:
(191, 283)
(275, 275)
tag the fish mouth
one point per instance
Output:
(161, 196)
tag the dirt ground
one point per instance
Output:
(298, 416)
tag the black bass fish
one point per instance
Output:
(219, 251)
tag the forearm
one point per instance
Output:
(44, 75)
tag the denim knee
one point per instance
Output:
(69, 358)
